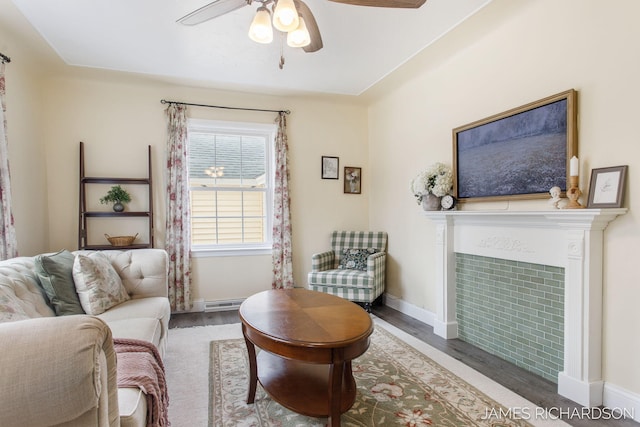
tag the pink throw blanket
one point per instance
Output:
(139, 365)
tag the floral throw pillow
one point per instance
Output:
(98, 284)
(10, 310)
(355, 259)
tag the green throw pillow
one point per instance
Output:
(355, 259)
(56, 276)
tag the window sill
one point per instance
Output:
(211, 252)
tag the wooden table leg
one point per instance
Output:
(336, 371)
(253, 369)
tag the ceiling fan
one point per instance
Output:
(291, 16)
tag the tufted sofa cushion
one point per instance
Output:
(18, 280)
(143, 273)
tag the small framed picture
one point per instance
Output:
(329, 167)
(352, 180)
(606, 189)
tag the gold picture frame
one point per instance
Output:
(518, 154)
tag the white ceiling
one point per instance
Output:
(361, 44)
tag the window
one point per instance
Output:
(230, 185)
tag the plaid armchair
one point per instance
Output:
(334, 272)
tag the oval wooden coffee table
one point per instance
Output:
(309, 339)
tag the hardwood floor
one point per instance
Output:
(532, 387)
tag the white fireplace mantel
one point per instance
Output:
(572, 239)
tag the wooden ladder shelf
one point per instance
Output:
(84, 214)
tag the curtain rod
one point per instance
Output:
(164, 101)
(4, 58)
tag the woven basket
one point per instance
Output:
(121, 240)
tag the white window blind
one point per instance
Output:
(231, 182)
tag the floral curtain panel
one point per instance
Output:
(8, 241)
(178, 224)
(282, 264)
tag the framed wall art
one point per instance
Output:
(606, 189)
(518, 154)
(329, 167)
(352, 180)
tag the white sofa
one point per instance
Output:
(61, 370)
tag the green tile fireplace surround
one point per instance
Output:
(557, 259)
(514, 310)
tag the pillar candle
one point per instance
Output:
(574, 166)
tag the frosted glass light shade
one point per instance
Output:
(260, 30)
(299, 37)
(285, 16)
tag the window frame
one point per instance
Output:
(243, 129)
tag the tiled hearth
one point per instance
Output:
(571, 240)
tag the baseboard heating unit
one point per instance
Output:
(223, 305)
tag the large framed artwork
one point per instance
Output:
(518, 154)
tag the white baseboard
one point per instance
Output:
(586, 393)
(623, 401)
(404, 307)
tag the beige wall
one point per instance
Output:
(509, 54)
(117, 117)
(26, 150)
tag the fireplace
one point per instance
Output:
(571, 240)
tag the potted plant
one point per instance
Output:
(430, 185)
(118, 196)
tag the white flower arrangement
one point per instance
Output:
(436, 180)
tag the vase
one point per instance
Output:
(430, 202)
(118, 207)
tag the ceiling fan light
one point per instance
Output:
(285, 16)
(260, 30)
(299, 37)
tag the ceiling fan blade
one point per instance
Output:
(211, 10)
(409, 4)
(312, 26)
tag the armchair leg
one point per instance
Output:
(376, 302)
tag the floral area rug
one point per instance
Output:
(396, 386)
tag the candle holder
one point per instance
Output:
(573, 193)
